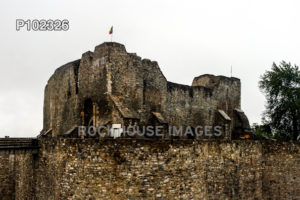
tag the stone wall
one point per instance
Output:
(190, 105)
(61, 110)
(7, 175)
(150, 169)
(183, 169)
(281, 172)
(17, 178)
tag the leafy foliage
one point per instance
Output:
(262, 131)
(281, 86)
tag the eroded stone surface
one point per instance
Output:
(147, 169)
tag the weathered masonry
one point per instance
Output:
(110, 86)
(95, 168)
(18, 159)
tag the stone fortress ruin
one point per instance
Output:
(110, 86)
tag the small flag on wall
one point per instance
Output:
(111, 31)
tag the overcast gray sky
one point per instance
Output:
(187, 38)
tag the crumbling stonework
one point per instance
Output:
(111, 86)
(123, 168)
(17, 167)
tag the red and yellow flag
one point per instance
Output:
(111, 31)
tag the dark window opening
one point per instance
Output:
(88, 112)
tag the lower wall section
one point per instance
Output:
(7, 181)
(149, 169)
(17, 174)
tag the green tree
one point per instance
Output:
(262, 131)
(281, 86)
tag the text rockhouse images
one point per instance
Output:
(116, 130)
